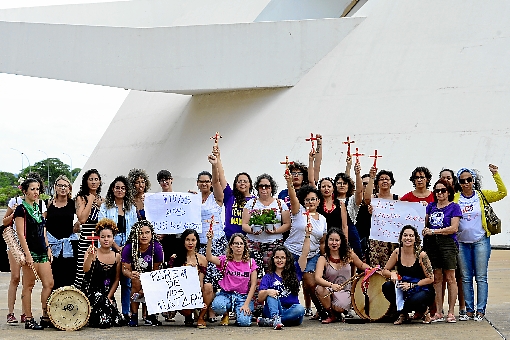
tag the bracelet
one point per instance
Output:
(307, 236)
(331, 285)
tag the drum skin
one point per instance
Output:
(68, 308)
(378, 305)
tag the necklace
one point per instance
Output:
(325, 208)
(333, 260)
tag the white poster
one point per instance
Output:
(389, 216)
(173, 212)
(172, 289)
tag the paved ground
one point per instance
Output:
(497, 313)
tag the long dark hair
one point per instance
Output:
(417, 239)
(134, 240)
(129, 200)
(289, 277)
(84, 186)
(182, 252)
(240, 198)
(344, 250)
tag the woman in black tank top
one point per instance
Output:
(413, 276)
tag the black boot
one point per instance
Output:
(30, 323)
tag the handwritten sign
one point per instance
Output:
(172, 289)
(173, 212)
(390, 216)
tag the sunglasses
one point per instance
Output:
(442, 190)
(264, 186)
(465, 180)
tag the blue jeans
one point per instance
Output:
(125, 283)
(474, 262)
(228, 301)
(292, 316)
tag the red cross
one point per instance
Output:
(92, 238)
(349, 142)
(211, 222)
(307, 214)
(312, 139)
(375, 156)
(357, 154)
(287, 163)
(216, 137)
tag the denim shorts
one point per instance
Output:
(311, 263)
(442, 251)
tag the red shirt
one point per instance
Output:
(409, 197)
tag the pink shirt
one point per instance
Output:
(236, 275)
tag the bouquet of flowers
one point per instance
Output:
(263, 217)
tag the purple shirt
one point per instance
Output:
(233, 213)
(145, 258)
(442, 217)
(273, 281)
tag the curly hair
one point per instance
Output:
(246, 251)
(163, 174)
(329, 179)
(129, 199)
(344, 250)
(274, 186)
(417, 239)
(134, 240)
(106, 223)
(304, 191)
(350, 184)
(297, 165)
(181, 250)
(134, 175)
(38, 178)
(426, 171)
(84, 186)
(449, 188)
(289, 277)
(455, 180)
(238, 195)
(26, 184)
(378, 176)
(62, 178)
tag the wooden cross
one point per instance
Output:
(92, 238)
(216, 137)
(375, 156)
(312, 139)
(307, 214)
(349, 142)
(357, 154)
(287, 163)
(211, 222)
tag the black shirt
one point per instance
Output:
(59, 221)
(34, 232)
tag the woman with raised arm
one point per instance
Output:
(141, 254)
(440, 242)
(88, 202)
(474, 236)
(413, 276)
(304, 215)
(333, 269)
(102, 275)
(32, 237)
(380, 251)
(140, 184)
(239, 280)
(61, 233)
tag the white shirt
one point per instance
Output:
(297, 233)
(209, 208)
(470, 226)
(265, 237)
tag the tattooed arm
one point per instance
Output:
(427, 269)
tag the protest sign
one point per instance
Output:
(173, 212)
(389, 216)
(172, 289)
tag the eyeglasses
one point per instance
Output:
(465, 180)
(243, 181)
(419, 177)
(308, 200)
(204, 181)
(295, 174)
(238, 244)
(442, 190)
(62, 186)
(387, 179)
(264, 186)
(120, 188)
(342, 184)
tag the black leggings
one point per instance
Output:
(417, 302)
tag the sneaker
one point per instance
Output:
(133, 321)
(22, 318)
(277, 323)
(479, 317)
(463, 316)
(308, 312)
(224, 320)
(153, 319)
(30, 323)
(46, 322)
(11, 318)
(264, 322)
(147, 322)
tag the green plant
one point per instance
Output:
(263, 216)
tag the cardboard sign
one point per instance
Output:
(173, 212)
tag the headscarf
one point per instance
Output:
(467, 170)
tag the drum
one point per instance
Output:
(372, 306)
(68, 308)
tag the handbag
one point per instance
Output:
(493, 221)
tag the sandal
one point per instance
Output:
(451, 318)
(401, 319)
(201, 324)
(426, 319)
(224, 320)
(437, 318)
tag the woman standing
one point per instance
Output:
(102, 274)
(119, 207)
(414, 276)
(263, 242)
(440, 242)
(333, 269)
(60, 232)
(474, 237)
(304, 215)
(142, 254)
(140, 184)
(420, 178)
(32, 236)
(88, 202)
(331, 208)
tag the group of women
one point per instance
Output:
(252, 263)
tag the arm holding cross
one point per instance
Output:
(318, 159)
(370, 186)
(221, 172)
(217, 189)
(294, 202)
(311, 169)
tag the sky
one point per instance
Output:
(57, 117)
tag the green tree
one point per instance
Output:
(56, 168)
(7, 179)
(8, 192)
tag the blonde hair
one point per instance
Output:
(62, 178)
(106, 223)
